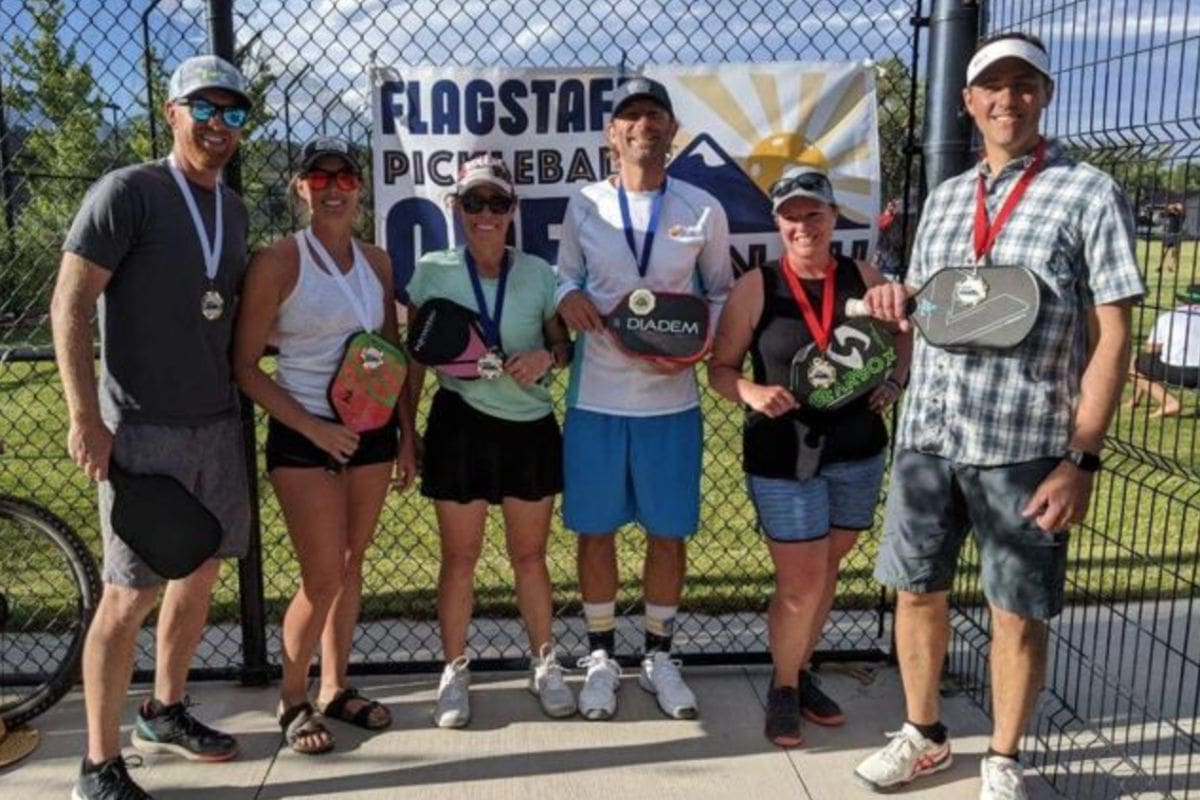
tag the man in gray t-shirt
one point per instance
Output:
(160, 250)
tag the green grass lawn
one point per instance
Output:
(1138, 540)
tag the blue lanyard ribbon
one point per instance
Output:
(488, 321)
(643, 261)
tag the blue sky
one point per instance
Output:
(1120, 64)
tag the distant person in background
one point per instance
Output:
(889, 253)
(1172, 234)
(1170, 357)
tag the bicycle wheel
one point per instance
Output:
(49, 588)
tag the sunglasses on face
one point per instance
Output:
(203, 110)
(318, 179)
(807, 181)
(497, 204)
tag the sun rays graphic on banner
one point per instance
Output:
(767, 116)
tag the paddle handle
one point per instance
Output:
(855, 307)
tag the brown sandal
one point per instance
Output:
(299, 722)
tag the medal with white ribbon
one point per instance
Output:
(212, 304)
(372, 357)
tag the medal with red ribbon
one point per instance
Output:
(973, 289)
(820, 370)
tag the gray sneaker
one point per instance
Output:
(453, 705)
(546, 681)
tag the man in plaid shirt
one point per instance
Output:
(1003, 443)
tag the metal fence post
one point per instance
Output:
(953, 29)
(255, 669)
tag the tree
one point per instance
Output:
(55, 94)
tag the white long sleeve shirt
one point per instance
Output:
(690, 255)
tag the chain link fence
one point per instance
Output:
(1118, 716)
(83, 87)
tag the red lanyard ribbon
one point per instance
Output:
(822, 330)
(986, 233)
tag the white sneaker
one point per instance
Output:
(1003, 779)
(453, 708)
(909, 755)
(598, 698)
(546, 681)
(660, 676)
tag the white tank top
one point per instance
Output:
(314, 322)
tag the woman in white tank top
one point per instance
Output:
(306, 295)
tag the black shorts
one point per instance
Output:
(470, 455)
(287, 447)
(1148, 365)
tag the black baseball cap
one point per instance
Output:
(316, 149)
(636, 88)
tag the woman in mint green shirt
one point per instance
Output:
(494, 440)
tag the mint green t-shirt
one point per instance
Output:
(528, 303)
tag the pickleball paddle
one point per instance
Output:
(661, 325)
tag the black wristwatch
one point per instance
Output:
(1088, 462)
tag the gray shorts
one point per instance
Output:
(931, 505)
(207, 459)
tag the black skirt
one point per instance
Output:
(470, 455)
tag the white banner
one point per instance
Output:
(740, 126)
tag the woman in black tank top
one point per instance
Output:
(814, 476)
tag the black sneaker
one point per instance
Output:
(783, 717)
(172, 729)
(816, 706)
(110, 782)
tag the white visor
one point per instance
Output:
(1028, 52)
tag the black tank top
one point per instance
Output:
(796, 444)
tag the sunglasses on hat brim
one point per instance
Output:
(808, 182)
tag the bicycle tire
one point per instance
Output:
(86, 576)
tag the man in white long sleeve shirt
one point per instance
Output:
(633, 429)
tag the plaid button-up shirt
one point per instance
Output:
(1074, 230)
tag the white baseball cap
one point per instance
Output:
(1010, 47)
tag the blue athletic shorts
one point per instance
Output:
(618, 470)
(841, 495)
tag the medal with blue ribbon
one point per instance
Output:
(491, 363)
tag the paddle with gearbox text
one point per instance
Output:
(661, 325)
(966, 308)
(162, 522)
(860, 356)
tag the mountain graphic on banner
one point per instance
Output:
(703, 163)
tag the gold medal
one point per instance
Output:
(970, 291)
(821, 373)
(641, 302)
(490, 365)
(372, 358)
(212, 305)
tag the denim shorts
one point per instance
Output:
(932, 503)
(841, 495)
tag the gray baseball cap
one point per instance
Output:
(206, 72)
(637, 88)
(802, 180)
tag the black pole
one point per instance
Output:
(255, 669)
(953, 30)
(151, 111)
(6, 186)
